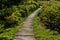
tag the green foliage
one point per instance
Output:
(41, 33)
(50, 15)
(13, 13)
(8, 33)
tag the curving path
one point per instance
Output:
(26, 30)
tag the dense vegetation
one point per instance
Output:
(12, 14)
(41, 33)
(46, 24)
(50, 15)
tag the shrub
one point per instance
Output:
(50, 15)
(12, 14)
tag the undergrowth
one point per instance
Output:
(41, 33)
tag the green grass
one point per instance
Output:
(42, 33)
(9, 33)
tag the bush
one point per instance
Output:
(50, 15)
(12, 14)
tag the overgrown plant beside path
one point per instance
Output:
(41, 33)
(46, 24)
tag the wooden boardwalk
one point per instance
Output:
(26, 30)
